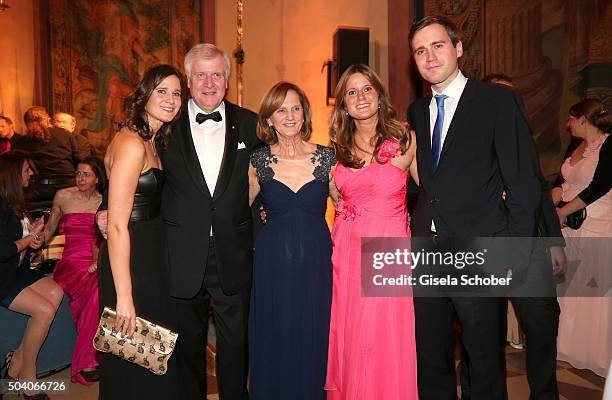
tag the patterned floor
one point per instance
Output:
(574, 384)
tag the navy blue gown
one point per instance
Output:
(292, 285)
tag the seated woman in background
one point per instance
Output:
(292, 272)
(587, 179)
(74, 208)
(21, 289)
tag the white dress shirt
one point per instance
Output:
(209, 140)
(453, 93)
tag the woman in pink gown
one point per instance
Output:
(587, 176)
(372, 345)
(74, 209)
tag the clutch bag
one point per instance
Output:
(150, 347)
(575, 219)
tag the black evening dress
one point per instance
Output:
(120, 379)
(292, 278)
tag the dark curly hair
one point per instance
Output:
(135, 104)
(342, 126)
(37, 123)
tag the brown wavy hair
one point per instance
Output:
(11, 184)
(342, 126)
(271, 102)
(136, 116)
(594, 112)
(37, 123)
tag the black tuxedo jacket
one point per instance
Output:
(488, 150)
(189, 210)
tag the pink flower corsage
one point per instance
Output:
(388, 150)
(347, 211)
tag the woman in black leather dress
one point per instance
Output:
(133, 275)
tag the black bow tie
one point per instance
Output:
(215, 116)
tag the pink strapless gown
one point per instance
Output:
(80, 286)
(372, 351)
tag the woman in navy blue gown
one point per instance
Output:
(292, 277)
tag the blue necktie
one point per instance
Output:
(436, 140)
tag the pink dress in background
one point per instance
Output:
(371, 345)
(80, 286)
(585, 324)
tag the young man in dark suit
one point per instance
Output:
(205, 208)
(473, 144)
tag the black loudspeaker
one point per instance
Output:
(351, 46)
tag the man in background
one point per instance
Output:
(7, 134)
(68, 122)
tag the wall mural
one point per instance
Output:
(99, 48)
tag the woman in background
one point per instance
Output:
(74, 209)
(22, 289)
(587, 176)
(133, 277)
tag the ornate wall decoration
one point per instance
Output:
(467, 15)
(99, 48)
(600, 49)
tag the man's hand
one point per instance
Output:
(102, 222)
(558, 259)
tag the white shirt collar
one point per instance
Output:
(455, 88)
(194, 110)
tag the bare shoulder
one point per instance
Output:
(125, 144)
(64, 195)
(127, 137)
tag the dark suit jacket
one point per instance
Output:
(188, 209)
(488, 150)
(10, 230)
(55, 159)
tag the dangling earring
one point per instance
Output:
(378, 106)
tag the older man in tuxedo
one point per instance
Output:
(473, 144)
(205, 209)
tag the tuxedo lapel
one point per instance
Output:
(231, 148)
(465, 102)
(189, 153)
